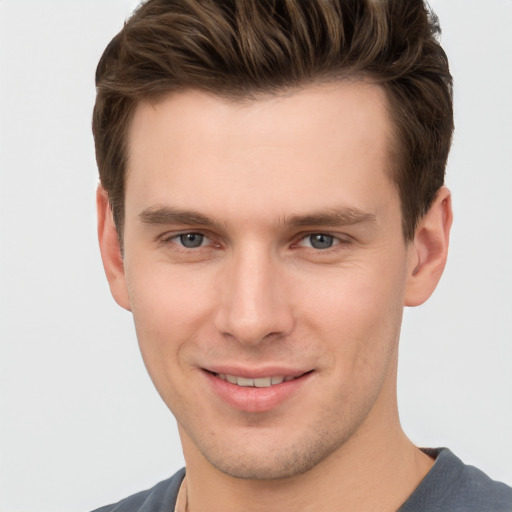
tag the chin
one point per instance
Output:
(264, 462)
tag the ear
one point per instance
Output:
(111, 250)
(429, 250)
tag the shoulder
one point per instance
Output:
(452, 486)
(160, 498)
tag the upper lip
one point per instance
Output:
(257, 373)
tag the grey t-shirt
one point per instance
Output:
(450, 486)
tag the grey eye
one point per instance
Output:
(191, 240)
(321, 241)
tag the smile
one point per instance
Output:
(261, 382)
(257, 390)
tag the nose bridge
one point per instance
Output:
(253, 303)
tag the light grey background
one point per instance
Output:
(80, 424)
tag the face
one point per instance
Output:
(266, 269)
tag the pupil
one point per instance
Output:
(321, 241)
(191, 240)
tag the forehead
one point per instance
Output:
(276, 153)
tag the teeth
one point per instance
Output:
(264, 382)
(242, 381)
(261, 382)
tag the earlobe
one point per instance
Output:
(429, 250)
(111, 250)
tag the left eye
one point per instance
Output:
(191, 240)
(319, 241)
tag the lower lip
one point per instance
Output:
(253, 399)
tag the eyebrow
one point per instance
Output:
(332, 217)
(169, 215)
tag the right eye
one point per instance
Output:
(190, 240)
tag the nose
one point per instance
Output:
(253, 304)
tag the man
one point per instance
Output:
(271, 198)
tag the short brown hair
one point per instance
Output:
(241, 48)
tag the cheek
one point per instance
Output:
(169, 312)
(169, 308)
(360, 313)
(360, 328)
(354, 294)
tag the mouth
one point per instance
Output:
(262, 391)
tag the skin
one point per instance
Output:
(257, 185)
